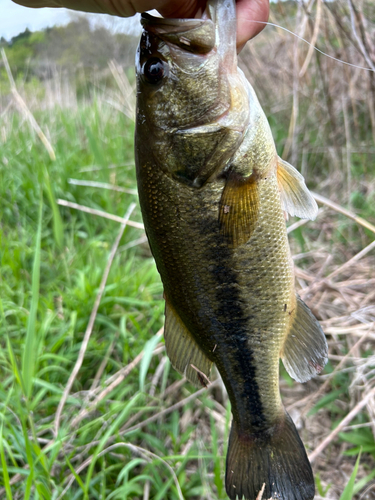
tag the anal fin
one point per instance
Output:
(239, 208)
(183, 351)
(305, 351)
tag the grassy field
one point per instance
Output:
(52, 263)
(89, 405)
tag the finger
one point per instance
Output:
(122, 8)
(249, 11)
(181, 9)
(115, 8)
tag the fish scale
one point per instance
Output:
(213, 193)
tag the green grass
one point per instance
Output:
(52, 260)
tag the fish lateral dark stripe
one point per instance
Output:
(275, 458)
(236, 362)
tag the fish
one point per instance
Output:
(213, 194)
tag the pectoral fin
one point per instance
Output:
(305, 351)
(183, 351)
(239, 208)
(296, 199)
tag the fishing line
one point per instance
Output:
(316, 48)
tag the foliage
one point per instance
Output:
(75, 49)
(150, 436)
(348, 492)
(47, 292)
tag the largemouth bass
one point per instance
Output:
(213, 192)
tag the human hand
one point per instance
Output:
(248, 11)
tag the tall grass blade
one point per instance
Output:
(363, 482)
(123, 476)
(16, 372)
(30, 461)
(5, 467)
(58, 227)
(146, 360)
(77, 478)
(348, 492)
(29, 352)
(96, 150)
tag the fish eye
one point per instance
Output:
(154, 70)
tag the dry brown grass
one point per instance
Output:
(343, 298)
(323, 117)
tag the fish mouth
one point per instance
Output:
(216, 28)
(162, 24)
(192, 35)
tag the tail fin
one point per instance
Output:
(275, 458)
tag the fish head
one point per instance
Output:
(184, 92)
(176, 60)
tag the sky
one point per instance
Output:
(14, 19)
